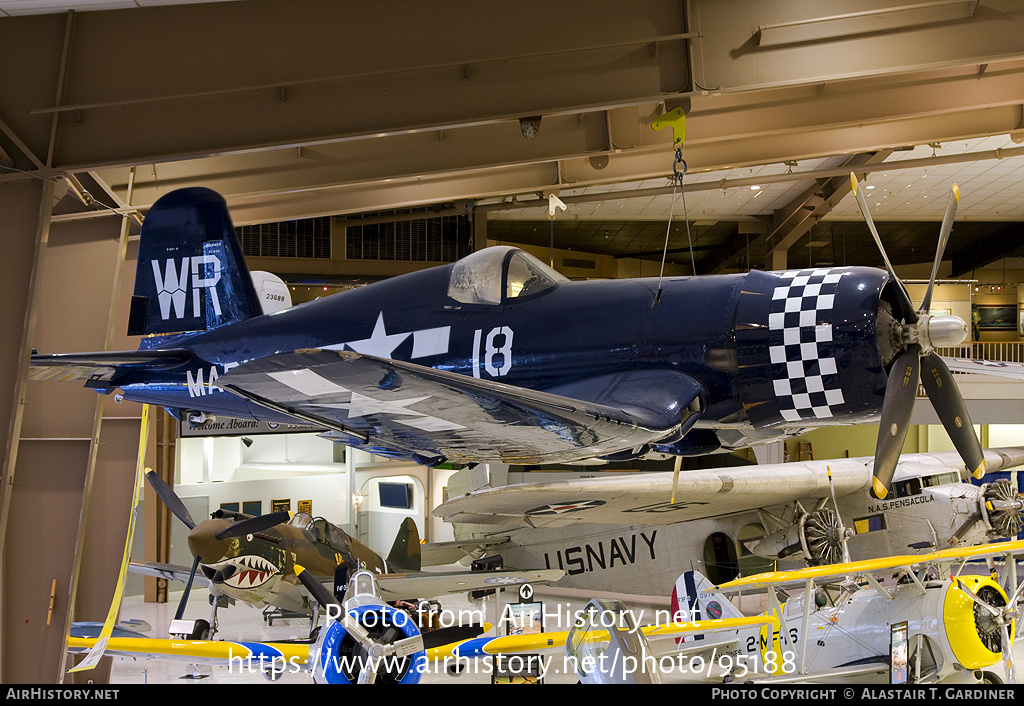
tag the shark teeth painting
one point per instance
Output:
(248, 571)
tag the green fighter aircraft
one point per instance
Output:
(252, 559)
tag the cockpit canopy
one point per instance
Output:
(499, 273)
(302, 520)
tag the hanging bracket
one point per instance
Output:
(675, 119)
(553, 203)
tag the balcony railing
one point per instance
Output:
(1009, 351)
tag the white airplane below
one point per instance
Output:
(632, 534)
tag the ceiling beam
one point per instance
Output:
(1002, 241)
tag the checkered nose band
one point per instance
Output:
(804, 371)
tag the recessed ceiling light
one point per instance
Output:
(755, 187)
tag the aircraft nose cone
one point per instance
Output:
(946, 331)
(203, 543)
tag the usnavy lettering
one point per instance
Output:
(620, 551)
(172, 284)
(198, 386)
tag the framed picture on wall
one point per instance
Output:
(898, 648)
(1000, 318)
(252, 507)
(283, 505)
(305, 506)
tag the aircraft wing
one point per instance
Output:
(172, 572)
(431, 415)
(872, 566)
(644, 498)
(428, 584)
(102, 365)
(480, 646)
(215, 652)
(997, 368)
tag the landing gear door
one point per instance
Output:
(605, 646)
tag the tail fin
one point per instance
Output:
(694, 598)
(191, 275)
(405, 552)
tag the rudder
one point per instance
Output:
(694, 598)
(191, 275)
(405, 552)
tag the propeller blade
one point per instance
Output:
(1007, 650)
(255, 524)
(898, 404)
(996, 613)
(179, 614)
(1014, 603)
(446, 636)
(947, 226)
(952, 411)
(352, 626)
(170, 499)
(907, 309)
(316, 589)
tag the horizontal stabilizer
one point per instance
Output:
(442, 553)
(103, 365)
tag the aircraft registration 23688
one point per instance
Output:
(499, 358)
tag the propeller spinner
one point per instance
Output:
(914, 334)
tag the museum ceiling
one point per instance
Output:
(311, 107)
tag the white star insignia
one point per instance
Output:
(380, 343)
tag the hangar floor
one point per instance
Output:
(247, 623)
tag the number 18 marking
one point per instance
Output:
(491, 351)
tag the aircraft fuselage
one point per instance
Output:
(770, 364)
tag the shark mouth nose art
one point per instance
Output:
(241, 572)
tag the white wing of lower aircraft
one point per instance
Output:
(997, 368)
(645, 498)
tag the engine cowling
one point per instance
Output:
(812, 346)
(340, 658)
(974, 637)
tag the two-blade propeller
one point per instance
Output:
(178, 509)
(254, 525)
(915, 334)
(241, 528)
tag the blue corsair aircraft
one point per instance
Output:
(498, 358)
